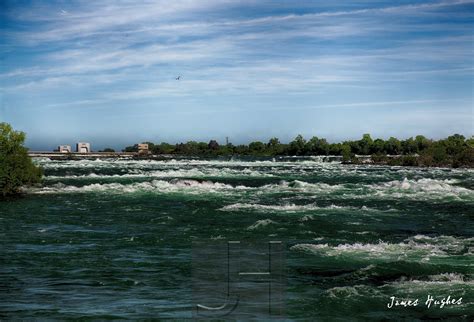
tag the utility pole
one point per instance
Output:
(226, 140)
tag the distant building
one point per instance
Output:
(64, 149)
(83, 147)
(143, 148)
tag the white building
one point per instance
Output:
(143, 148)
(64, 149)
(83, 147)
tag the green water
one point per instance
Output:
(113, 238)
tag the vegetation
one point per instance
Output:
(16, 167)
(454, 151)
(110, 150)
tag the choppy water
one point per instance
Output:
(112, 238)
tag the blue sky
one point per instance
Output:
(104, 71)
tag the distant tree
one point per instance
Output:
(335, 149)
(464, 158)
(422, 143)
(470, 142)
(438, 151)
(393, 146)
(354, 145)
(409, 146)
(16, 167)
(257, 147)
(454, 144)
(132, 148)
(316, 146)
(241, 149)
(162, 148)
(365, 144)
(107, 150)
(274, 147)
(346, 152)
(453, 151)
(213, 145)
(297, 146)
(203, 147)
(273, 142)
(227, 149)
(378, 147)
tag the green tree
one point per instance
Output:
(470, 142)
(454, 144)
(378, 147)
(273, 142)
(131, 148)
(346, 152)
(409, 146)
(162, 148)
(422, 142)
(316, 146)
(297, 146)
(274, 147)
(365, 144)
(393, 146)
(213, 145)
(16, 167)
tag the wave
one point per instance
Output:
(261, 224)
(175, 185)
(188, 173)
(415, 248)
(287, 207)
(302, 186)
(422, 189)
(425, 186)
(352, 292)
(179, 184)
(177, 162)
(439, 286)
(438, 279)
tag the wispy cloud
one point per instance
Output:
(94, 55)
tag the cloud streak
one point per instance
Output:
(99, 55)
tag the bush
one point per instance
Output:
(379, 158)
(16, 167)
(404, 160)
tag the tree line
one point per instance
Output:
(16, 168)
(456, 150)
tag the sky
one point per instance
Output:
(105, 71)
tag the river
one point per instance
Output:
(114, 238)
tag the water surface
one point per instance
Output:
(113, 238)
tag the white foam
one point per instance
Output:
(289, 207)
(417, 247)
(301, 186)
(165, 173)
(446, 281)
(422, 187)
(352, 291)
(173, 162)
(159, 186)
(307, 218)
(259, 207)
(260, 224)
